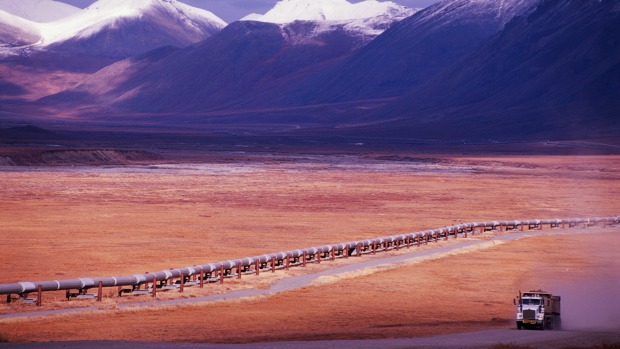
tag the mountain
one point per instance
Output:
(263, 65)
(121, 28)
(460, 70)
(249, 63)
(105, 32)
(38, 10)
(365, 19)
(554, 73)
(413, 50)
(38, 59)
(286, 11)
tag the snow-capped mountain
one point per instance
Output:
(368, 18)
(413, 50)
(107, 30)
(287, 11)
(38, 10)
(257, 64)
(458, 70)
(187, 24)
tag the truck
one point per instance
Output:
(538, 309)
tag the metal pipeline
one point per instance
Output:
(382, 243)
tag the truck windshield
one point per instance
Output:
(531, 301)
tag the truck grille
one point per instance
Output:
(529, 314)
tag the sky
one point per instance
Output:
(232, 10)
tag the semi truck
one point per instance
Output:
(538, 309)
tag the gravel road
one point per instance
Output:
(477, 339)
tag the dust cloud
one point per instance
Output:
(591, 304)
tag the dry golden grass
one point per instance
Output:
(73, 223)
(459, 292)
(93, 223)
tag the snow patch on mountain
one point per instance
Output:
(504, 10)
(38, 10)
(367, 19)
(106, 13)
(287, 11)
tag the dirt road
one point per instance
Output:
(476, 339)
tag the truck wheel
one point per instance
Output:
(519, 326)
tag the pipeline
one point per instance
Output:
(217, 272)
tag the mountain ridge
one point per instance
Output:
(286, 11)
(38, 10)
(116, 29)
(554, 70)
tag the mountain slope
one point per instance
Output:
(554, 72)
(293, 67)
(414, 50)
(38, 10)
(248, 64)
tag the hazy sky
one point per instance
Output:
(232, 10)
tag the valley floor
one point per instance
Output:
(65, 222)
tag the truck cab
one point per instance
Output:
(538, 309)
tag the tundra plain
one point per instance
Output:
(84, 221)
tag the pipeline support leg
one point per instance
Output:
(99, 291)
(39, 295)
(182, 283)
